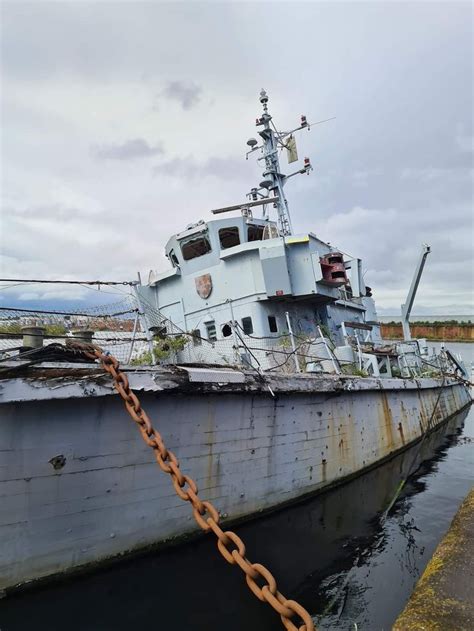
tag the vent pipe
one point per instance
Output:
(33, 336)
(83, 335)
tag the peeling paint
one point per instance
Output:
(246, 450)
(57, 462)
(400, 429)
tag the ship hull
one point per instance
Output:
(79, 486)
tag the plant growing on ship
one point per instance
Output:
(163, 349)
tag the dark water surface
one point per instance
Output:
(332, 548)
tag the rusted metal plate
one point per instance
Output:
(213, 375)
(358, 325)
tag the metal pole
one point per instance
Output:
(234, 334)
(344, 332)
(359, 350)
(145, 324)
(406, 307)
(272, 166)
(135, 326)
(328, 350)
(293, 345)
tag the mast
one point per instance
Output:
(272, 166)
(274, 180)
(270, 190)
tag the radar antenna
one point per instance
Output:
(271, 188)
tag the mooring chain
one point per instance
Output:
(229, 544)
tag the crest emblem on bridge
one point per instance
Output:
(203, 285)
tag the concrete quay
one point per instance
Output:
(444, 596)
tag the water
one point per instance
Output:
(465, 349)
(333, 546)
(378, 587)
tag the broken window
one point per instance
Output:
(226, 330)
(247, 326)
(229, 237)
(255, 233)
(196, 246)
(196, 335)
(272, 324)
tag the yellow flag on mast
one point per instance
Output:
(291, 151)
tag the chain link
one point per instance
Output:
(229, 544)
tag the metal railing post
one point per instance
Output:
(145, 324)
(329, 352)
(234, 334)
(134, 334)
(293, 345)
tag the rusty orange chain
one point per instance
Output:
(187, 490)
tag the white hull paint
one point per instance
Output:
(247, 451)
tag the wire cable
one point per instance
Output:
(68, 282)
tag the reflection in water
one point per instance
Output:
(333, 552)
(372, 591)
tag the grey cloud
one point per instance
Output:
(465, 143)
(424, 191)
(389, 240)
(187, 94)
(128, 150)
(398, 77)
(190, 168)
(52, 211)
(39, 249)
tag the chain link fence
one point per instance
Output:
(138, 334)
(113, 327)
(137, 338)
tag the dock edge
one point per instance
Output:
(443, 598)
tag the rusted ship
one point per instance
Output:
(266, 374)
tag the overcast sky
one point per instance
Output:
(123, 122)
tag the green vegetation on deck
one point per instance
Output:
(443, 598)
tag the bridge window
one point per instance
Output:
(173, 259)
(229, 237)
(194, 247)
(247, 326)
(272, 324)
(211, 331)
(255, 233)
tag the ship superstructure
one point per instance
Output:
(238, 277)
